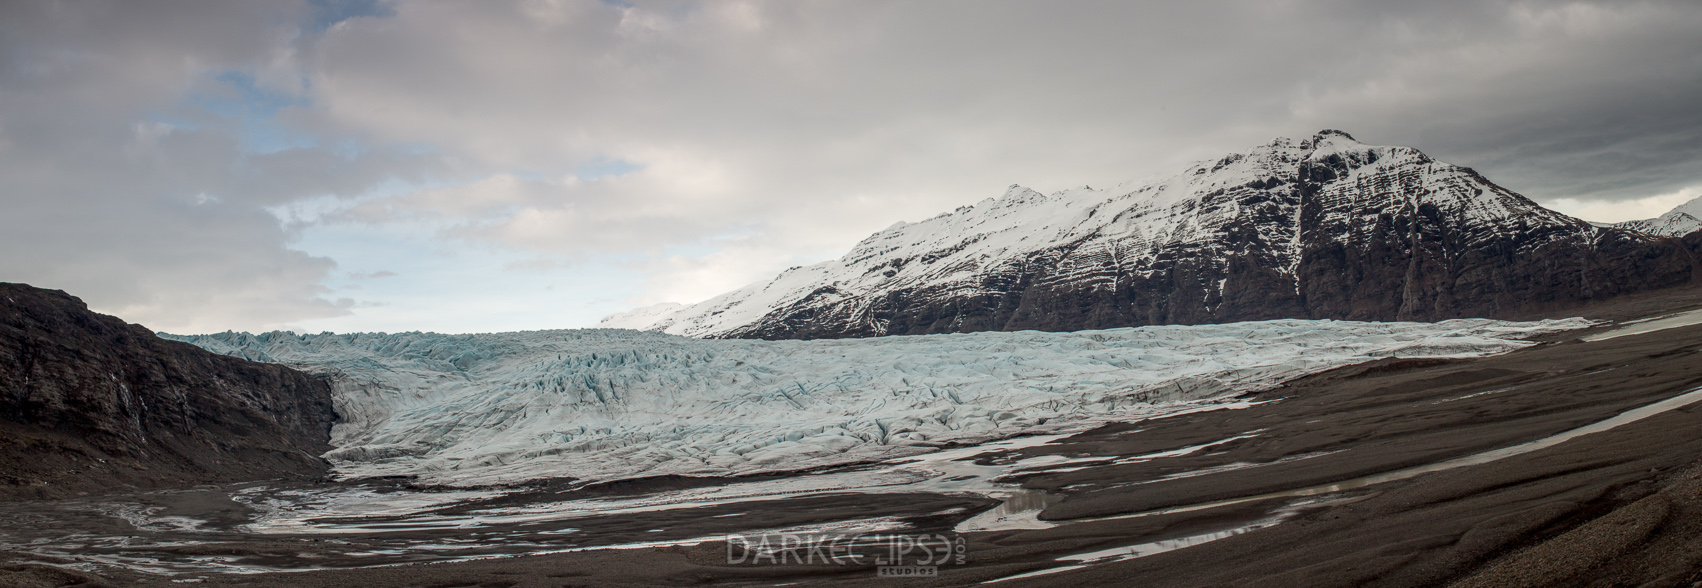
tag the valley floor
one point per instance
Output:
(1513, 470)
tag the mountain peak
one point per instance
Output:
(1333, 133)
(1018, 191)
(1326, 228)
(1692, 208)
(1329, 139)
(1680, 221)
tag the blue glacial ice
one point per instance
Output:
(604, 404)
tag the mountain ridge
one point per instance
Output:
(1322, 227)
(1682, 220)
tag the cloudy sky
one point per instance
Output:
(485, 166)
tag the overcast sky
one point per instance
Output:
(487, 166)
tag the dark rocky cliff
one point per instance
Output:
(91, 404)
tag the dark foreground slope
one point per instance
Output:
(89, 403)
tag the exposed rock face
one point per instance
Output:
(89, 403)
(1325, 227)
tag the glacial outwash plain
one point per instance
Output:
(1312, 363)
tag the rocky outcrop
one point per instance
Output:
(1324, 227)
(90, 404)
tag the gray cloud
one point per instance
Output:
(754, 135)
(117, 190)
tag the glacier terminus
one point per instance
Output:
(604, 404)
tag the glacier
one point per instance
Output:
(602, 404)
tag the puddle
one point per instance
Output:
(1020, 510)
(1683, 319)
(1477, 394)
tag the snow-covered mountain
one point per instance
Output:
(603, 404)
(1324, 227)
(1680, 221)
(639, 319)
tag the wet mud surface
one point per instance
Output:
(1182, 500)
